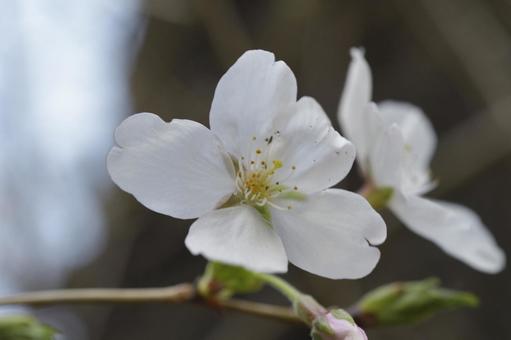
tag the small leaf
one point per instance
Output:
(410, 302)
(25, 328)
(221, 281)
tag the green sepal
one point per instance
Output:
(341, 314)
(221, 281)
(320, 328)
(410, 302)
(23, 327)
(379, 197)
(265, 213)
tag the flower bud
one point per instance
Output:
(337, 325)
(408, 302)
(24, 327)
(308, 309)
(220, 281)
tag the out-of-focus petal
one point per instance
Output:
(386, 158)
(355, 98)
(454, 228)
(418, 133)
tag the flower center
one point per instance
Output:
(255, 179)
(258, 182)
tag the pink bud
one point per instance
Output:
(343, 329)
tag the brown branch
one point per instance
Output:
(175, 294)
(261, 309)
(180, 293)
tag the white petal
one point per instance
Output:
(454, 228)
(386, 158)
(177, 168)
(314, 156)
(393, 161)
(418, 133)
(355, 98)
(238, 236)
(330, 234)
(305, 115)
(249, 97)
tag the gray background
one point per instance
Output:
(451, 58)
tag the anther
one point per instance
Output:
(277, 164)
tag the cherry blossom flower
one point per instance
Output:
(395, 143)
(258, 181)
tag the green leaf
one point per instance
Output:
(409, 302)
(24, 328)
(221, 281)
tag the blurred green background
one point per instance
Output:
(452, 58)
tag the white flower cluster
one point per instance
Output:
(260, 179)
(395, 143)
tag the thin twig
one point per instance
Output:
(261, 309)
(180, 293)
(175, 294)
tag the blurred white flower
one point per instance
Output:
(395, 143)
(258, 180)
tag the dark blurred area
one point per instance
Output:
(452, 58)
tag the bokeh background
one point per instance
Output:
(71, 71)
